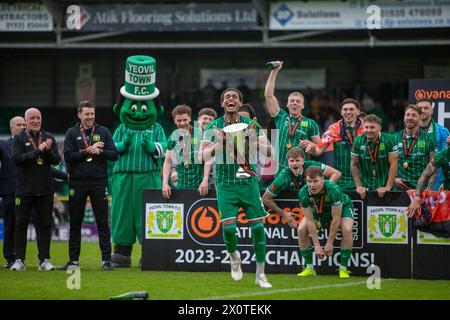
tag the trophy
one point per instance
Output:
(236, 133)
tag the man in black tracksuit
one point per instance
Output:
(34, 151)
(87, 147)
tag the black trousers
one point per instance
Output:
(43, 206)
(77, 204)
(9, 221)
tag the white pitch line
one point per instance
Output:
(262, 293)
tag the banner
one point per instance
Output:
(341, 15)
(439, 93)
(202, 248)
(289, 79)
(162, 17)
(27, 17)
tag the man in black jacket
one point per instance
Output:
(8, 188)
(87, 147)
(34, 151)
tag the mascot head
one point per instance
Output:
(138, 105)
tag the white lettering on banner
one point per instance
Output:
(442, 115)
(140, 79)
(273, 257)
(25, 17)
(347, 15)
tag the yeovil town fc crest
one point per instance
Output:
(164, 221)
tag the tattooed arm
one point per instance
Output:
(428, 174)
(356, 173)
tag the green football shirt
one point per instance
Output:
(226, 166)
(418, 158)
(342, 157)
(442, 160)
(136, 159)
(285, 179)
(305, 129)
(333, 197)
(190, 172)
(387, 146)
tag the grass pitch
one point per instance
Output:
(99, 284)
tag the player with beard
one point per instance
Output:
(437, 132)
(415, 149)
(339, 137)
(235, 191)
(374, 159)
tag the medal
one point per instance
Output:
(319, 225)
(86, 144)
(407, 152)
(186, 165)
(291, 131)
(186, 148)
(319, 208)
(374, 155)
(39, 160)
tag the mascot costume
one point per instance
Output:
(141, 143)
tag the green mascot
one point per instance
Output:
(141, 143)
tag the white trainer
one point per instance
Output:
(236, 271)
(18, 265)
(46, 265)
(262, 281)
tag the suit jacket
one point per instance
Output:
(8, 168)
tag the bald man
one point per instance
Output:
(34, 152)
(7, 189)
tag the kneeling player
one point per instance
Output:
(315, 199)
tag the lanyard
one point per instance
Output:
(408, 152)
(319, 208)
(84, 136)
(32, 140)
(291, 130)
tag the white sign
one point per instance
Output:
(164, 221)
(428, 238)
(25, 17)
(387, 225)
(292, 79)
(327, 15)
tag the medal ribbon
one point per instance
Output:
(298, 185)
(322, 197)
(291, 130)
(408, 152)
(32, 140)
(373, 157)
(84, 136)
(344, 129)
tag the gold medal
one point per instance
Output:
(89, 158)
(374, 173)
(289, 145)
(186, 165)
(39, 161)
(405, 164)
(319, 225)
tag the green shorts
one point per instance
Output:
(325, 218)
(232, 197)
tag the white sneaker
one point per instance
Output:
(236, 271)
(18, 265)
(46, 265)
(262, 281)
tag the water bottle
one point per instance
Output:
(272, 65)
(138, 295)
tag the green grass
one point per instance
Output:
(99, 284)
